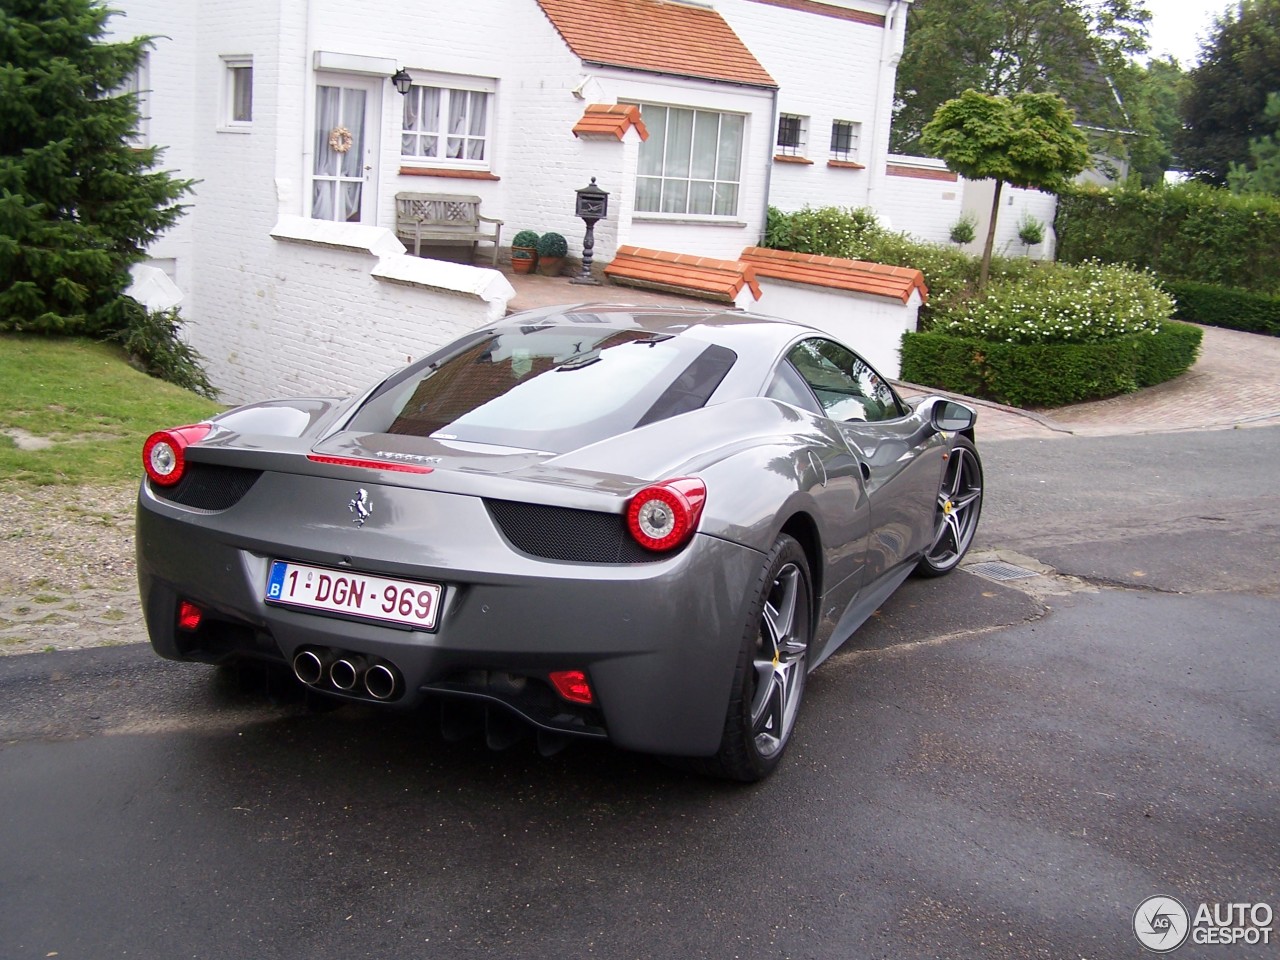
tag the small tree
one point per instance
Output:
(1027, 140)
(964, 230)
(1030, 231)
(79, 203)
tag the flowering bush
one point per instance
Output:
(1089, 303)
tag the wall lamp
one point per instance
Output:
(402, 81)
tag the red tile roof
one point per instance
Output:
(703, 276)
(610, 120)
(857, 275)
(661, 36)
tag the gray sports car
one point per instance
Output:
(634, 523)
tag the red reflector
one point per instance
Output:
(189, 616)
(573, 686)
(368, 464)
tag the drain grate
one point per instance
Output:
(999, 570)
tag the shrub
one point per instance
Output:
(1085, 304)
(1048, 374)
(1185, 232)
(964, 230)
(950, 275)
(1030, 230)
(155, 346)
(525, 238)
(825, 231)
(1221, 307)
(552, 245)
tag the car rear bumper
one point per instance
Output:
(658, 641)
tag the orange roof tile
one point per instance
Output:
(876, 279)
(721, 279)
(610, 120)
(662, 36)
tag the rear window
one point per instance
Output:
(549, 388)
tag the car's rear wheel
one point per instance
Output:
(769, 680)
(959, 506)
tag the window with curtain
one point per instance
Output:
(691, 163)
(237, 97)
(446, 125)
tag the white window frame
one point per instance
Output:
(450, 86)
(233, 66)
(853, 154)
(716, 181)
(797, 124)
(139, 84)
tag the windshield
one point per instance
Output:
(550, 388)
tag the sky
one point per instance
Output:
(1177, 26)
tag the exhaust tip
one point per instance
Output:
(381, 682)
(345, 673)
(308, 667)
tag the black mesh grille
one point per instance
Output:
(560, 533)
(207, 486)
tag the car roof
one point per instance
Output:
(745, 333)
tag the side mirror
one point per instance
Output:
(952, 417)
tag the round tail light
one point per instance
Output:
(164, 453)
(665, 515)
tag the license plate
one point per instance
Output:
(406, 602)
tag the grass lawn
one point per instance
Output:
(93, 407)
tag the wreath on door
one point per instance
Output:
(340, 140)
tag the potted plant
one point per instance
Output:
(552, 249)
(524, 251)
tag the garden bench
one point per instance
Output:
(444, 218)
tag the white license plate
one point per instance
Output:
(406, 602)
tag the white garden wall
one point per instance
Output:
(343, 307)
(871, 325)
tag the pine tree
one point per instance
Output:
(79, 203)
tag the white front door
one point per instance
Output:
(344, 173)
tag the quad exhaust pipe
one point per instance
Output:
(348, 673)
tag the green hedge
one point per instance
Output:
(1186, 232)
(1220, 307)
(1048, 375)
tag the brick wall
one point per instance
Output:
(827, 68)
(336, 319)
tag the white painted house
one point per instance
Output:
(286, 114)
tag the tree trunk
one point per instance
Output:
(991, 239)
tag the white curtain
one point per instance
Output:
(353, 159)
(328, 106)
(338, 178)
(421, 123)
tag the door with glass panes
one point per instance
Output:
(345, 156)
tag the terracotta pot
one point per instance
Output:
(522, 265)
(551, 266)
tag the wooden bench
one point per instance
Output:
(444, 218)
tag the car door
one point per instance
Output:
(899, 457)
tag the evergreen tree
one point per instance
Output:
(1225, 109)
(1262, 173)
(79, 203)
